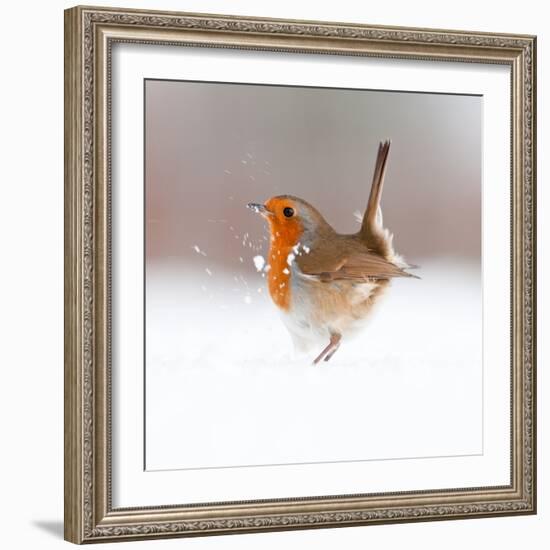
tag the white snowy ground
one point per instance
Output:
(224, 389)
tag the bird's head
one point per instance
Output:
(291, 219)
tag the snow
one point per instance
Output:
(224, 376)
(259, 262)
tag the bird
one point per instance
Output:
(325, 283)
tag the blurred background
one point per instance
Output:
(211, 148)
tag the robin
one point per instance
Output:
(326, 283)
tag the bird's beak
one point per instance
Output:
(258, 208)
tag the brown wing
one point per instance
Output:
(350, 261)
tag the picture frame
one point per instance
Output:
(90, 36)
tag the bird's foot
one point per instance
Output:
(329, 355)
(330, 349)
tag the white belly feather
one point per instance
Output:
(318, 309)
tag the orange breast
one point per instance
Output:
(278, 276)
(285, 234)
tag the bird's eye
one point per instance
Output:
(288, 212)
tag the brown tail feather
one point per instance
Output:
(371, 231)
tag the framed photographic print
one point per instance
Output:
(300, 274)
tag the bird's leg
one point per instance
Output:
(330, 349)
(334, 350)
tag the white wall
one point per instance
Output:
(31, 213)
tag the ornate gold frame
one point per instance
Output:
(89, 34)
